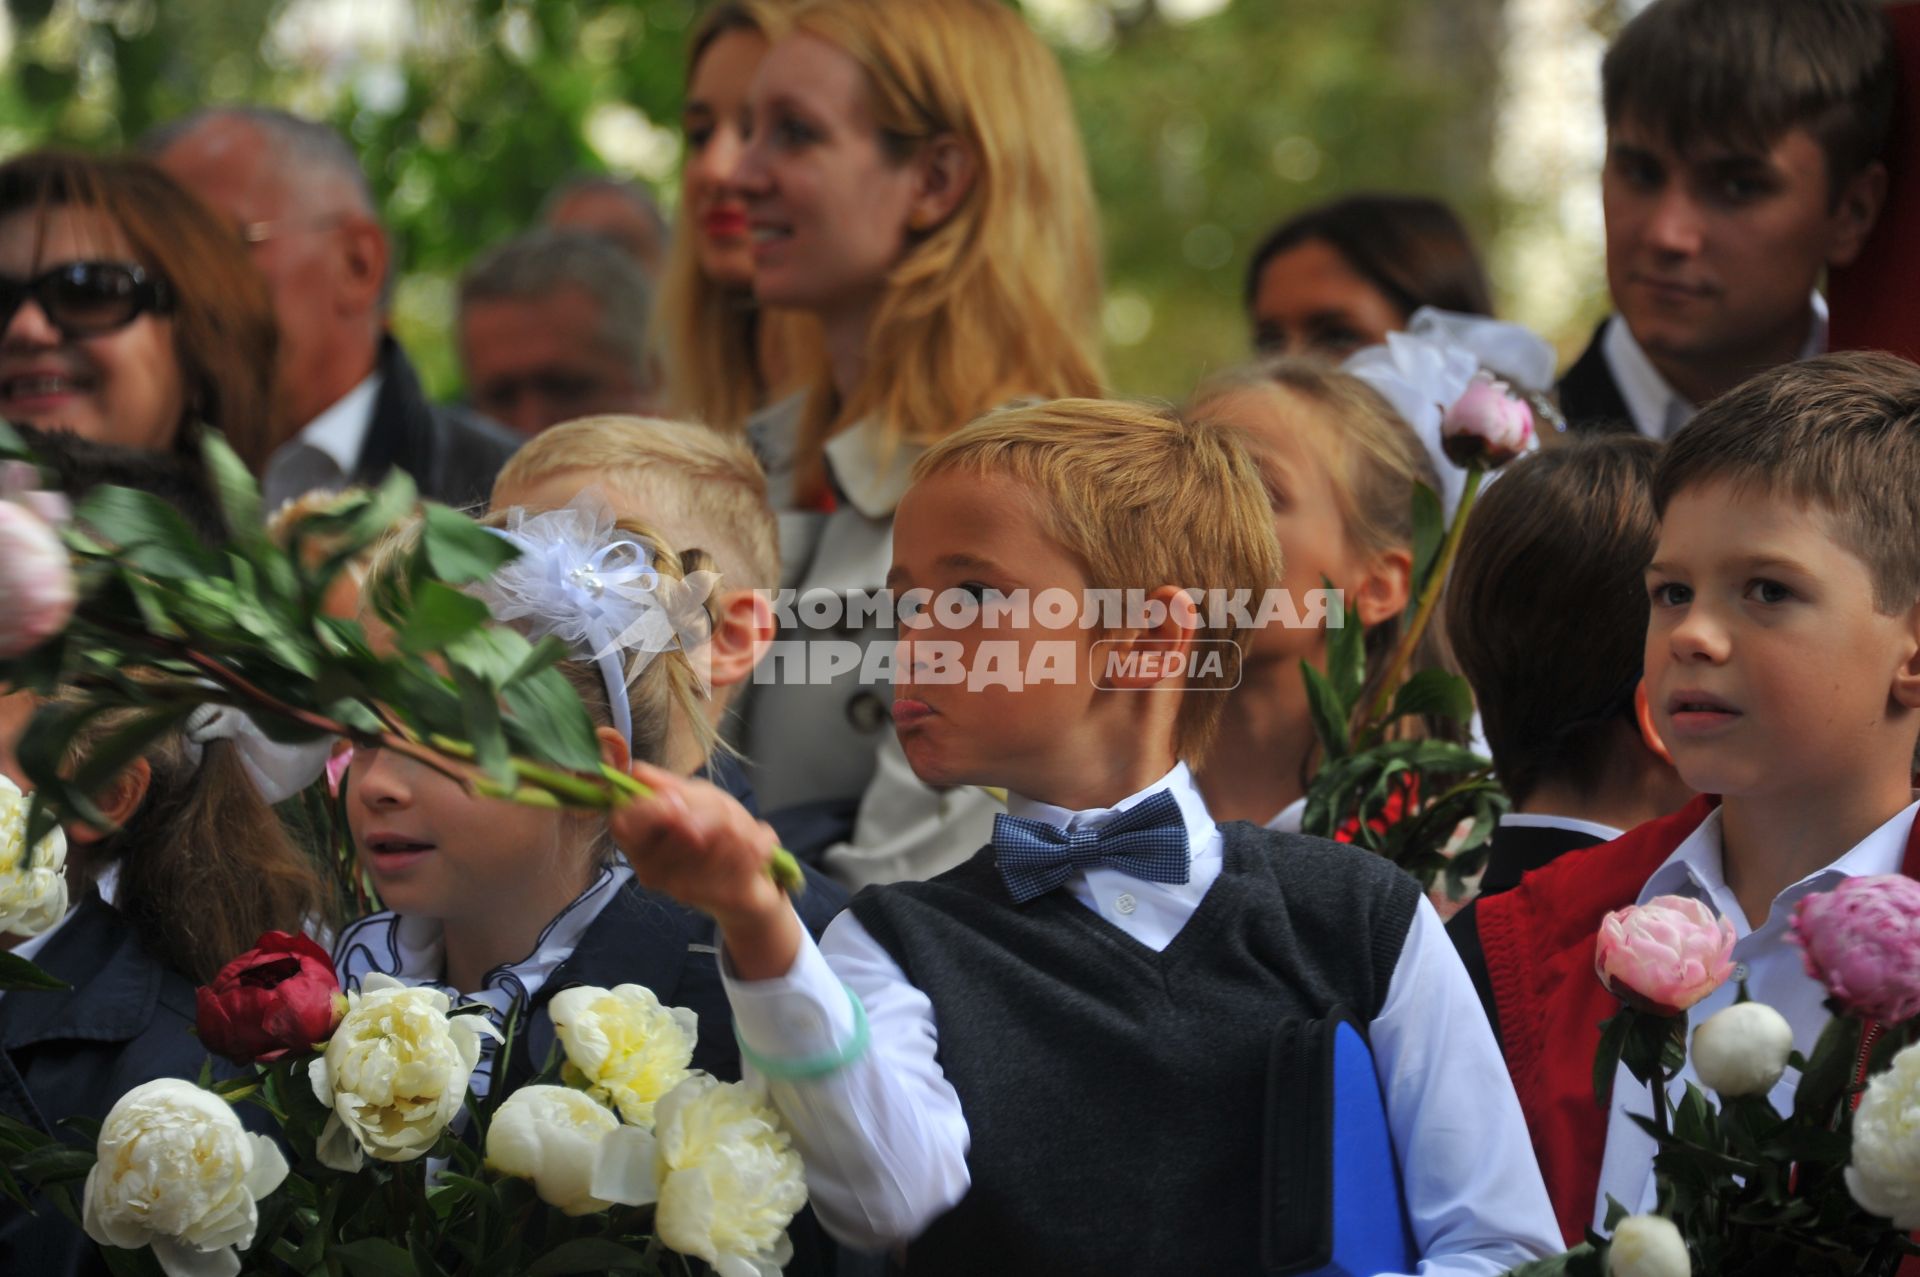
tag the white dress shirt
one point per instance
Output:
(1657, 408)
(1541, 820)
(326, 450)
(1770, 965)
(885, 1140)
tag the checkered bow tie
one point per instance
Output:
(1148, 840)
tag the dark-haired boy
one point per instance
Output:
(1547, 616)
(1783, 671)
(1054, 1059)
(1743, 145)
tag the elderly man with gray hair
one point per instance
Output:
(349, 407)
(553, 326)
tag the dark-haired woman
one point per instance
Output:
(129, 314)
(1343, 275)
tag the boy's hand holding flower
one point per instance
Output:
(1862, 941)
(279, 996)
(694, 842)
(1665, 955)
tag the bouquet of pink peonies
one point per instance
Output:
(619, 1156)
(1831, 1186)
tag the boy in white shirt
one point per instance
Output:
(1001, 1075)
(1783, 673)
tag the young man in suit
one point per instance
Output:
(1743, 145)
(350, 405)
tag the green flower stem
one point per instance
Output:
(1429, 599)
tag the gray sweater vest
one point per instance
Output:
(1115, 1095)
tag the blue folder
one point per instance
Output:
(1334, 1204)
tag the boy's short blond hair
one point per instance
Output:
(698, 488)
(1841, 433)
(1142, 499)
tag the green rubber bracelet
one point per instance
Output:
(813, 1067)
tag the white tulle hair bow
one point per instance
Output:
(1425, 369)
(582, 580)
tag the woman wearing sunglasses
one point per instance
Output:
(129, 314)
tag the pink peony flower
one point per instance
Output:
(1862, 941)
(36, 581)
(1665, 955)
(1488, 425)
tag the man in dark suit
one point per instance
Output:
(348, 400)
(1743, 143)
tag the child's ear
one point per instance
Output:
(1855, 213)
(1179, 620)
(743, 632)
(1384, 592)
(117, 801)
(1906, 678)
(613, 749)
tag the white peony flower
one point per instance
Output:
(394, 1073)
(626, 1048)
(1884, 1176)
(1742, 1050)
(1648, 1246)
(573, 1149)
(730, 1181)
(177, 1172)
(33, 888)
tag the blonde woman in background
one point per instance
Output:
(724, 356)
(916, 182)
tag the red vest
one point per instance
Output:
(1538, 940)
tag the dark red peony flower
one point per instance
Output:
(279, 996)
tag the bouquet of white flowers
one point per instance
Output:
(619, 1157)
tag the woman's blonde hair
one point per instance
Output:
(711, 339)
(1001, 300)
(1374, 460)
(205, 865)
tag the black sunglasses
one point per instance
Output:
(86, 299)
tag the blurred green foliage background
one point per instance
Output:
(1206, 122)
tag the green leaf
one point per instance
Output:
(438, 615)
(12, 446)
(1346, 651)
(1429, 530)
(18, 974)
(459, 550)
(1324, 705)
(150, 535)
(1606, 1060)
(373, 1257)
(550, 721)
(1829, 1071)
(1434, 693)
(234, 485)
(586, 1255)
